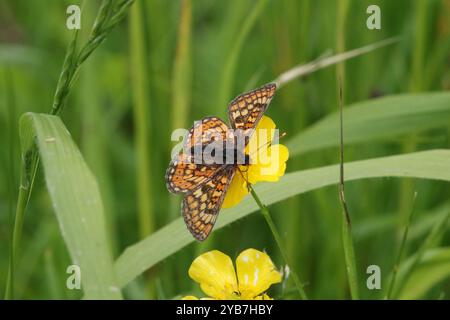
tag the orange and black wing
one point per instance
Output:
(201, 207)
(184, 175)
(187, 171)
(247, 109)
(206, 131)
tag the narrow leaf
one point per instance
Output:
(433, 268)
(376, 119)
(76, 200)
(139, 257)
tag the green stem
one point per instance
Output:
(141, 106)
(347, 241)
(33, 162)
(231, 60)
(72, 63)
(22, 201)
(141, 116)
(18, 222)
(182, 73)
(416, 85)
(26, 186)
(434, 237)
(400, 252)
(349, 253)
(265, 212)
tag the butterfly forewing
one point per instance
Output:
(201, 207)
(206, 131)
(246, 110)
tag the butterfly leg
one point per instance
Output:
(245, 177)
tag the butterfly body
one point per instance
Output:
(212, 154)
(230, 156)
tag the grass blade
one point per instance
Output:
(76, 200)
(401, 250)
(347, 241)
(231, 62)
(182, 73)
(326, 61)
(376, 119)
(174, 236)
(431, 241)
(9, 174)
(433, 268)
(141, 105)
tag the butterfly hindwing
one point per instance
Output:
(183, 175)
(201, 207)
(186, 171)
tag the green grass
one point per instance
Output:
(133, 74)
(426, 165)
(76, 201)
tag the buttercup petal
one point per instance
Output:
(236, 191)
(215, 273)
(195, 298)
(256, 273)
(272, 165)
(266, 123)
(268, 163)
(264, 133)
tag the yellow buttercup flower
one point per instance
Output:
(214, 271)
(268, 162)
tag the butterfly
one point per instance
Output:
(203, 184)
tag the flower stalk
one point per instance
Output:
(265, 212)
(347, 241)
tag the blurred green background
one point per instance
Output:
(172, 62)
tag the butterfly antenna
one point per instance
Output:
(268, 143)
